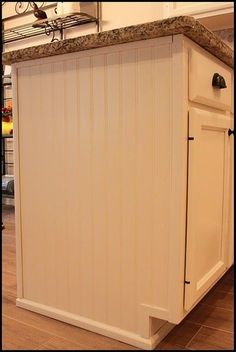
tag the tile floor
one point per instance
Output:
(208, 327)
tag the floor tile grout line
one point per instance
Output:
(204, 326)
(42, 344)
(53, 336)
(193, 337)
(63, 338)
(20, 321)
(212, 305)
(210, 327)
(209, 305)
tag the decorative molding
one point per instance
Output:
(92, 325)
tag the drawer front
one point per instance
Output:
(201, 72)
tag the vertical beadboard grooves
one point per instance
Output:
(106, 179)
(135, 290)
(91, 168)
(154, 117)
(120, 125)
(67, 66)
(104, 235)
(78, 177)
(179, 109)
(16, 155)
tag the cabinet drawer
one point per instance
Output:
(201, 71)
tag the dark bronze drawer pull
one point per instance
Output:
(218, 81)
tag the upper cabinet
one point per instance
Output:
(198, 9)
(214, 15)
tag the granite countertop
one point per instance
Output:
(186, 25)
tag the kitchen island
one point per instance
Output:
(123, 163)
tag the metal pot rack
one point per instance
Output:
(50, 26)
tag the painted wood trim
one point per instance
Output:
(146, 312)
(161, 334)
(231, 201)
(16, 154)
(179, 180)
(97, 327)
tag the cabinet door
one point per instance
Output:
(208, 202)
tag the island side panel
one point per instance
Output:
(95, 180)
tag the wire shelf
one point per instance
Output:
(47, 26)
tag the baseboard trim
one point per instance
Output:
(97, 327)
(161, 334)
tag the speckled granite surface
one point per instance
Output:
(227, 35)
(170, 26)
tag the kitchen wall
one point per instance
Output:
(113, 14)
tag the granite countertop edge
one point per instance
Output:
(186, 25)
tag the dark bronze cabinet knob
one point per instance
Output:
(218, 81)
(230, 132)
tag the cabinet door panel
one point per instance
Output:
(208, 201)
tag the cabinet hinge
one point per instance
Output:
(191, 138)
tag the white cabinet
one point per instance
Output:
(104, 186)
(198, 9)
(214, 15)
(208, 202)
(201, 90)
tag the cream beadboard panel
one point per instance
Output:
(101, 179)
